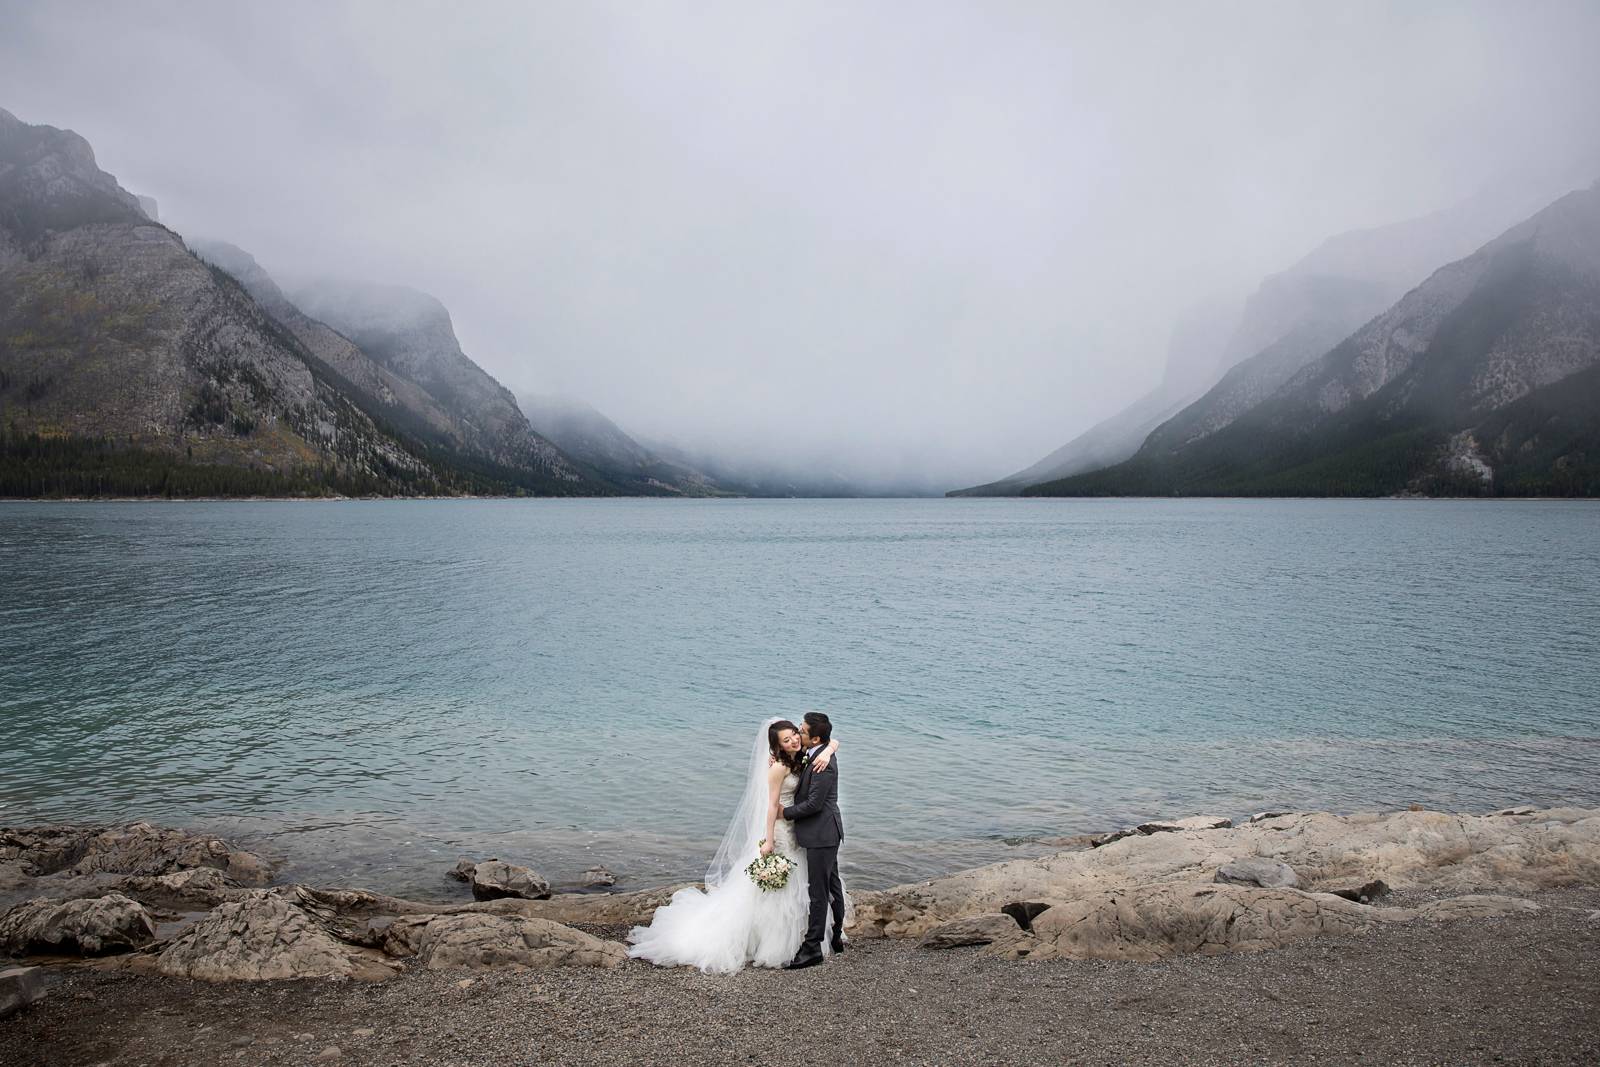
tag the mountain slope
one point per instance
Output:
(322, 341)
(111, 329)
(1293, 317)
(1191, 361)
(1453, 389)
(128, 366)
(409, 334)
(1106, 443)
(600, 444)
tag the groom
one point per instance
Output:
(818, 828)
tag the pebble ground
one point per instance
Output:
(1517, 990)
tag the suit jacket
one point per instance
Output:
(815, 812)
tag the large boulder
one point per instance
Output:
(259, 937)
(1154, 922)
(21, 986)
(96, 926)
(493, 879)
(1258, 871)
(1427, 850)
(478, 941)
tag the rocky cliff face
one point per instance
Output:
(49, 181)
(403, 400)
(111, 329)
(1299, 314)
(409, 334)
(1521, 313)
(1430, 395)
(130, 366)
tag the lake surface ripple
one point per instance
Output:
(367, 689)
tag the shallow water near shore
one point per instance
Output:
(367, 689)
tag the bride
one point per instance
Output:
(735, 922)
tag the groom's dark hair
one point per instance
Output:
(821, 729)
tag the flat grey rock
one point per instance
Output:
(1258, 871)
(480, 941)
(1477, 906)
(976, 930)
(21, 986)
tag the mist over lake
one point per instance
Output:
(370, 688)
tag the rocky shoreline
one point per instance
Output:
(145, 912)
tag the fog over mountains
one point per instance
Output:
(1294, 317)
(819, 251)
(1486, 377)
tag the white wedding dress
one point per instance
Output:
(734, 922)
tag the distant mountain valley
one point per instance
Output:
(1453, 354)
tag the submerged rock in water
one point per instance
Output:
(260, 937)
(483, 941)
(598, 878)
(96, 926)
(493, 879)
(138, 848)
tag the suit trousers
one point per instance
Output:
(822, 877)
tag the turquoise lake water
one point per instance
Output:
(367, 689)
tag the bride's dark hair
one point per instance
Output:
(790, 760)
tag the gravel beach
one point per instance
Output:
(1523, 989)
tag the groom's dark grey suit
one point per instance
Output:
(818, 828)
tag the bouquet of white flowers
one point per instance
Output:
(770, 872)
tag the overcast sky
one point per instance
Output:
(949, 235)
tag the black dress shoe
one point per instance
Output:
(804, 959)
(837, 945)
